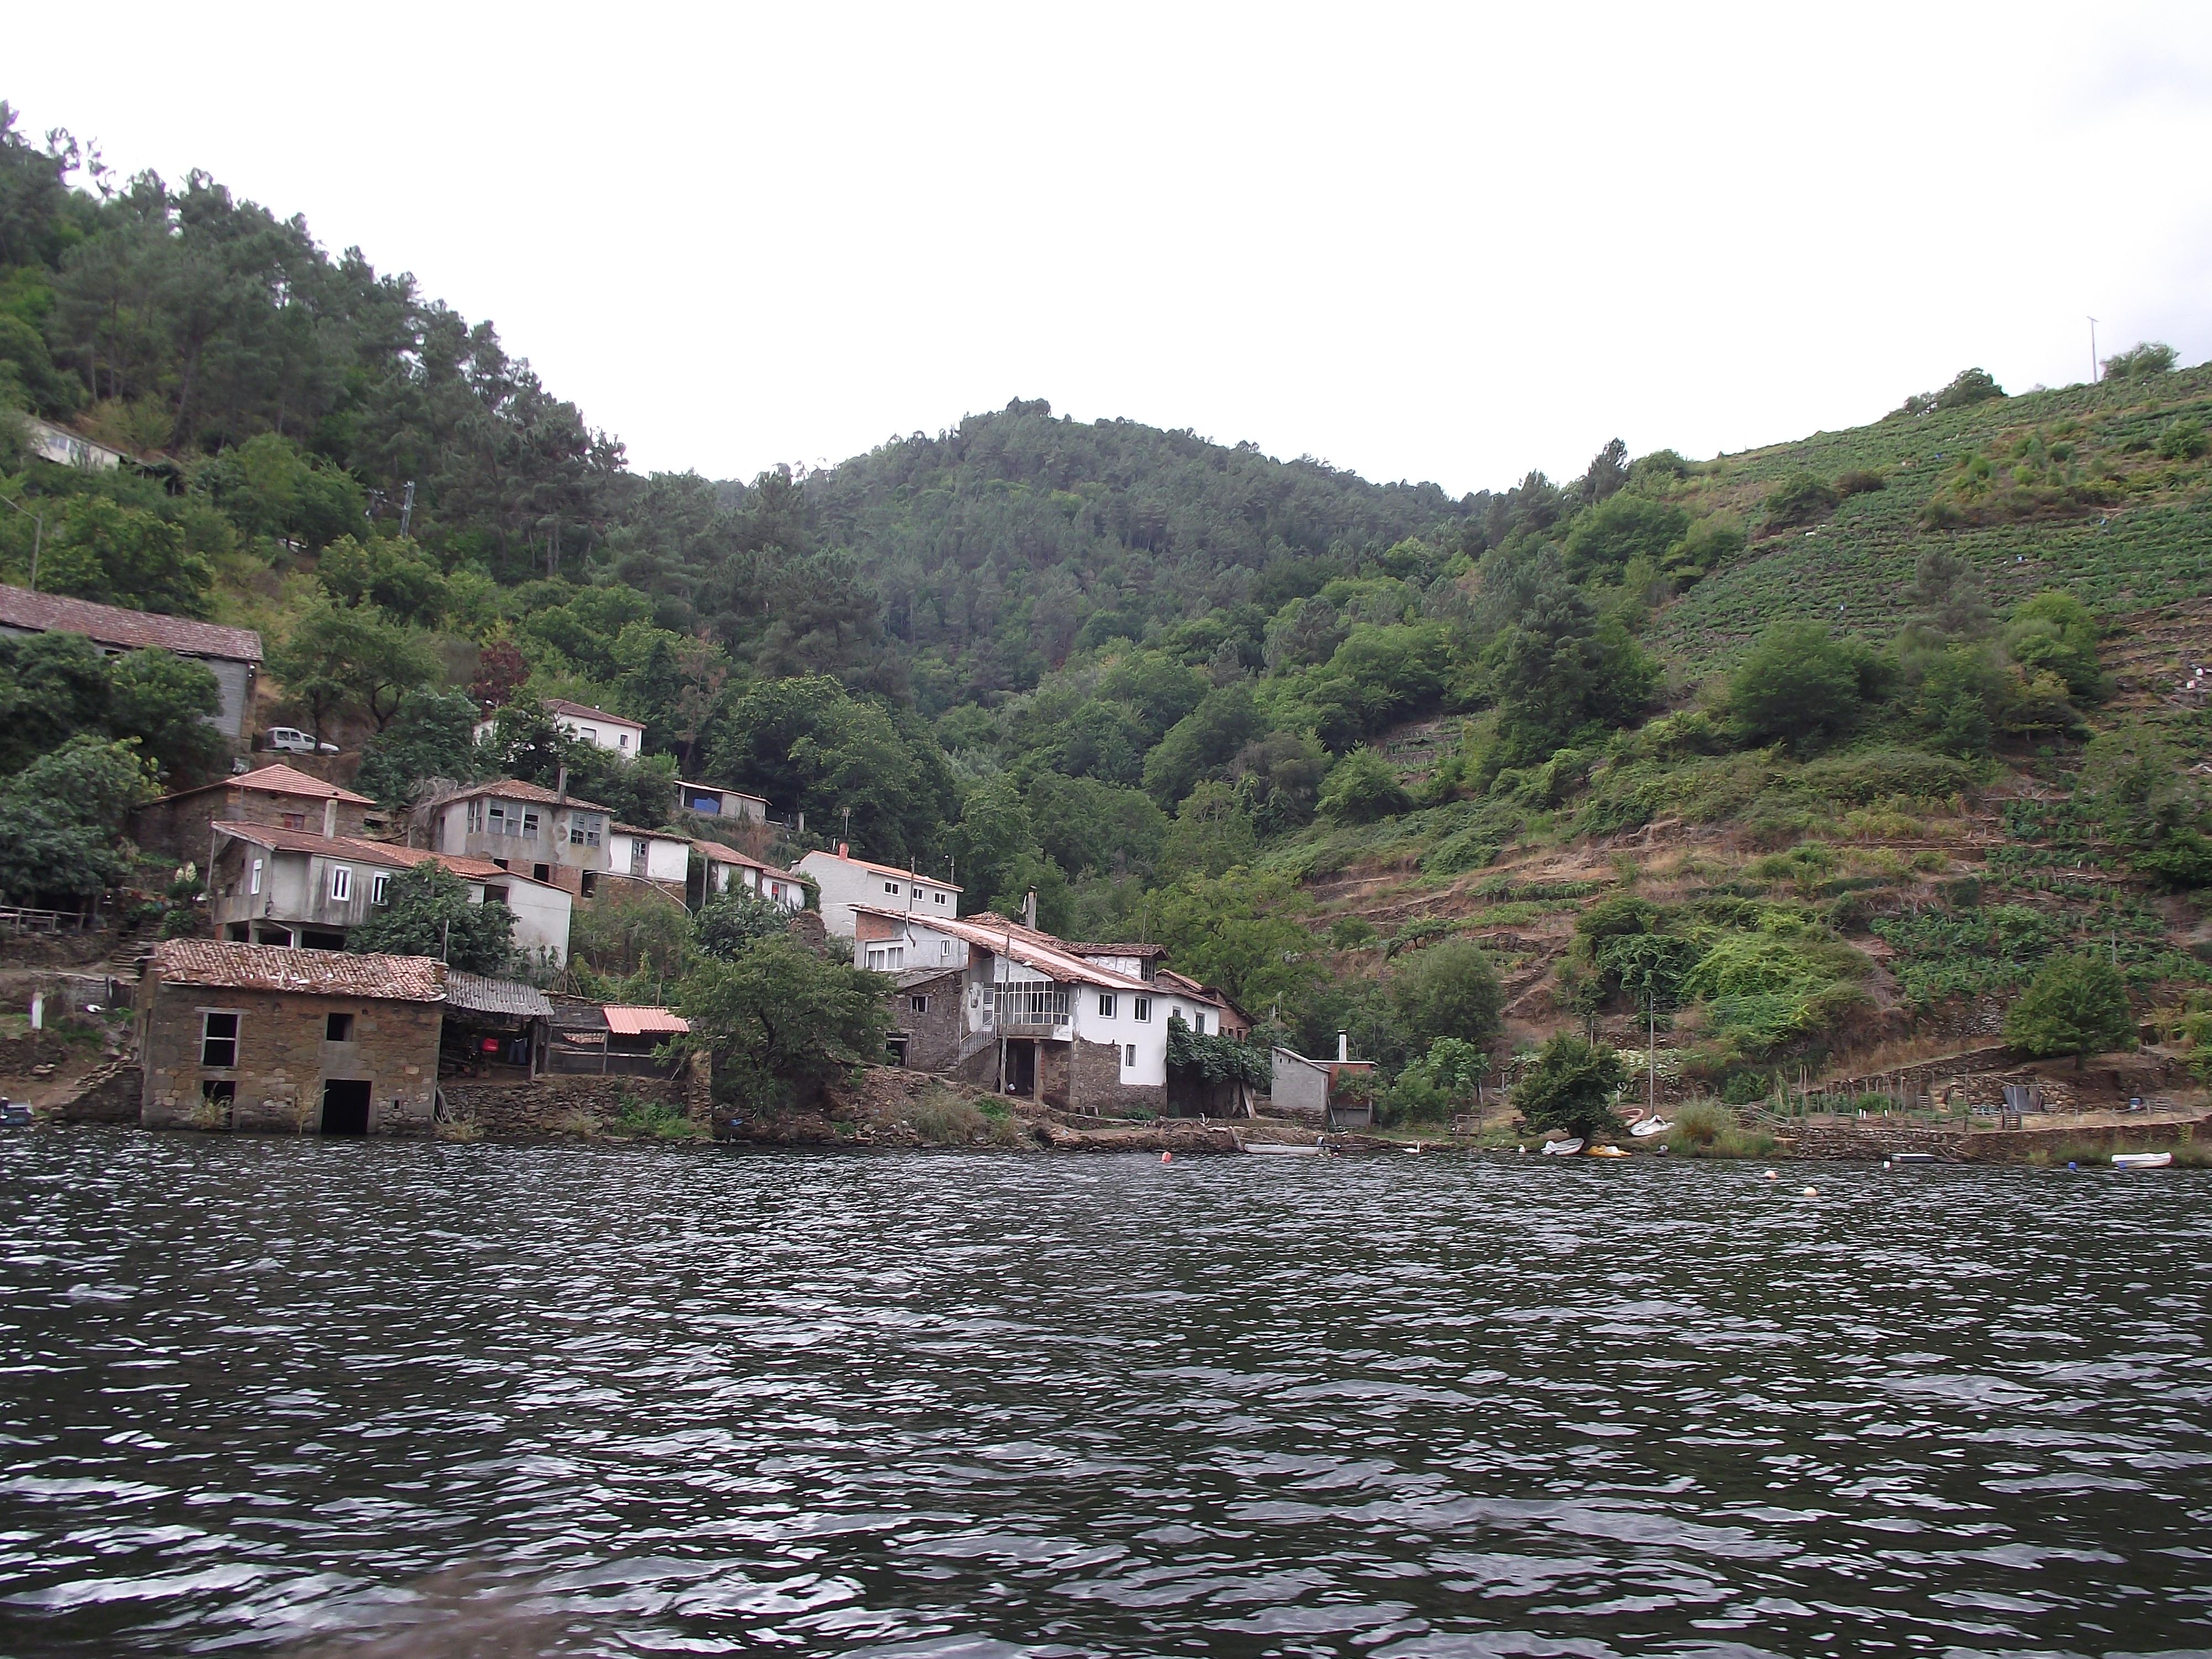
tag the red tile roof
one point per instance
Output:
(883, 869)
(279, 780)
(579, 711)
(306, 841)
(220, 965)
(643, 1021)
(473, 869)
(718, 854)
(111, 625)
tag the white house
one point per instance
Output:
(711, 800)
(727, 867)
(615, 732)
(63, 447)
(660, 856)
(271, 885)
(1038, 1019)
(845, 881)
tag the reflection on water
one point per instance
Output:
(335, 1399)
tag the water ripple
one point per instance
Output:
(328, 1399)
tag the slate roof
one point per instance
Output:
(643, 1021)
(111, 624)
(220, 965)
(483, 995)
(515, 789)
(580, 711)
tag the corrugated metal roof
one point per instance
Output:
(483, 995)
(111, 624)
(643, 1021)
(224, 966)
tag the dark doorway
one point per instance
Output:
(345, 1108)
(1021, 1068)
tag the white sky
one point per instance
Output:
(1441, 241)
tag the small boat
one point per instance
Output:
(1277, 1149)
(2141, 1160)
(14, 1114)
(1910, 1157)
(1562, 1148)
(1606, 1151)
(1650, 1126)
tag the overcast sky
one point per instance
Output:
(1447, 242)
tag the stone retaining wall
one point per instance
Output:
(568, 1105)
(1875, 1140)
(110, 1095)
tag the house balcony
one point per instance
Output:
(1030, 1007)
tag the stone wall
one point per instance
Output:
(933, 1034)
(1872, 1139)
(110, 1095)
(283, 1060)
(563, 1105)
(1095, 1085)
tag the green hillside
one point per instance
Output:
(1830, 744)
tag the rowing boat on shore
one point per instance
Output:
(2141, 1160)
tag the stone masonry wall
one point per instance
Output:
(283, 1061)
(558, 1105)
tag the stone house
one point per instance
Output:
(1037, 1018)
(233, 655)
(277, 886)
(845, 882)
(926, 1019)
(179, 826)
(259, 1036)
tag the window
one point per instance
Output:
(886, 958)
(253, 880)
(380, 889)
(1198, 1021)
(1141, 1009)
(584, 828)
(622, 739)
(1105, 1004)
(1129, 1054)
(591, 734)
(542, 872)
(919, 1004)
(293, 820)
(891, 887)
(914, 892)
(494, 895)
(219, 1041)
(529, 825)
(495, 815)
(937, 898)
(338, 1028)
(341, 885)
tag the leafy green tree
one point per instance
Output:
(432, 734)
(1969, 386)
(1242, 932)
(994, 846)
(102, 550)
(1083, 824)
(165, 703)
(428, 913)
(1362, 787)
(1442, 1081)
(782, 1024)
(1571, 1088)
(393, 576)
(1208, 738)
(2076, 1005)
(1949, 596)
(340, 659)
(1801, 686)
(60, 839)
(52, 686)
(2054, 633)
(1448, 990)
(2145, 361)
(269, 486)
(727, 923)
(1562, 672)
(1211, 835)
(1799, 499)
(1959, 692)
(1602, 540)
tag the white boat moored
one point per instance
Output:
(2141, 1160)
(1562, 1148)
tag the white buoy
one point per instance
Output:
(1812, 1192)
(1771, 1176)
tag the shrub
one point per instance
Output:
(1362, 787)
(1571, 1087)
(1969, 386)
(2077, 1005)
(1460, 851)
(1350, 933)
(2185, 441)
(1860, 481)
(1800, 685)
(1799, 499)
(1450, 990)
(1705, 1128)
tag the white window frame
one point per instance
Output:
(341, 884)
(1141, 1010)
(237, 1035)
(380, 887)
(253, 877)
(590, 734)
(1198, 1021)
(1128, 1056)
(937, 898)
(891, 887)
(529, 824)
(1105, 1004)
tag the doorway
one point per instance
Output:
(1021, 1068)
(345, 1107)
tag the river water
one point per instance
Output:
(340, 1398)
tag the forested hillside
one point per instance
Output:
(1690, 732)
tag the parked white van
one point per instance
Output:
(293, 741)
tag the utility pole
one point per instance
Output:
(2093, 351)
(38, 537)
(845, 838)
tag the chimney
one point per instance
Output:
(1029, 909)
(844, 849)
(561, 788)
(1343, 1046)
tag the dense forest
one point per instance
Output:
(1172, 684)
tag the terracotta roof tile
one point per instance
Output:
(279, 780)
(515, 789)
(220, 965)
(583, 711)
(305, 841)
(111, 624)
